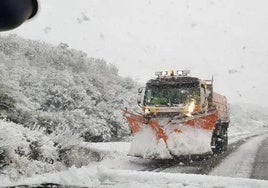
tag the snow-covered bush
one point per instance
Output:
(53, 86)
(26, 152)
(54, 98)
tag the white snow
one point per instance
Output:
(123, 178)
(145, 144)
(104, 177)
(16, 142)
(117, 169)
(190, 141)
(106, 147)
(227, 39)
(240, 163)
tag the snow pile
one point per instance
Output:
(125, 178)
(191, 140)
(73, 176)
(103, 177)
(145, 144)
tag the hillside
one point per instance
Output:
(61, 97)
(55, 87)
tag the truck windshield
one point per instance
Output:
(170, 95)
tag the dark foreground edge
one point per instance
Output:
(45, 185)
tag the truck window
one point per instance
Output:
(169, 95)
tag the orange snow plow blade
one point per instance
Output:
(137, 121)
(206, 121)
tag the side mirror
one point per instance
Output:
(140, 90)
(139, 98)
(14, 12)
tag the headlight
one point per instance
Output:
(190, 108)
(147, 111)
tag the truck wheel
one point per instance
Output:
(219, 139)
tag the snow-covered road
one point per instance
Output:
(260, 169)
(119, 170)
(204, 164)
(241, 162)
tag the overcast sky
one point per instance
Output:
(224, 38)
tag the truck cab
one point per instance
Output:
(175, 93)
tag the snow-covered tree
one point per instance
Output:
(54, 86)
(52, 98)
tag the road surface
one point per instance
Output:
(260, 170)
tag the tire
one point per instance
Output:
(219, 140)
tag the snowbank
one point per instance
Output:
(103, 177)
(124, 178)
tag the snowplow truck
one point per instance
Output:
(180, 116)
